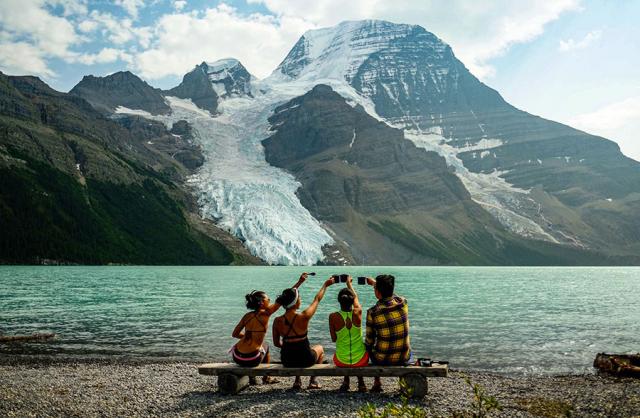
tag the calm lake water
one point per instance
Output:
(510, 320)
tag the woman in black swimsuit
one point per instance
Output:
(290, 333)
(251, 350)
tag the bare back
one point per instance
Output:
(255, 329)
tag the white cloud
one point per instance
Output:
(105, 55)
(179, 4)
(131, 6)
(477, 31)
(182, 40)
(31, 35)
(571, 44)
(21, 58)
(618, 121)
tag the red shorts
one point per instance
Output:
(364, 361)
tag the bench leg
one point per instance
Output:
(416, 385)
(230, 384)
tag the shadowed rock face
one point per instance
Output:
(197, 87)
(120, 89)
(389, 201)
(208, 83)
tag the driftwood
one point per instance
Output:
(25, 338)
(618, 364)
(233, 378)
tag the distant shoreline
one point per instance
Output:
(117, 387)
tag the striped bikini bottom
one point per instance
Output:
(249, 359)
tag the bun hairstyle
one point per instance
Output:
(254, 299)
(345, 299)
(287, 297)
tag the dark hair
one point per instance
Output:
(346, 298)
(254, 299)
(385, 284)
(287, 296)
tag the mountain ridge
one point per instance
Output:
(540, 186)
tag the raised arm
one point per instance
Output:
(301, 280)
(313, 307)
(272, 308)
(356, 301)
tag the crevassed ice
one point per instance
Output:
(236, 186)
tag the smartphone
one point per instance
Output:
(343, 278)
(313, 273)
(362, 280)
(336, 278)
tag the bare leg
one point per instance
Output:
(345, 385)
(377, 385)
(313, 381)
(361, 386)
(297, 384)
(266, 380)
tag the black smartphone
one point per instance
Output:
(313, 273)
(343, 278)
(362, 280)
(336, 278)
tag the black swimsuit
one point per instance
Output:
(296, 353)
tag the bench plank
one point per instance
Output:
(216, 369)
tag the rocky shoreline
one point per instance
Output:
(89, 388)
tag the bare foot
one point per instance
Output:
(268, 380)
(313, 386)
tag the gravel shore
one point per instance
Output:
(103, 388)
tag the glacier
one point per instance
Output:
(237, 187)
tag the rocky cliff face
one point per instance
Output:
(390, 201)
(197, 87)
(120, 89)
(208, 83)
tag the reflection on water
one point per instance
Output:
(523, 320)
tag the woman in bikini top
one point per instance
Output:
(290, 333)
(251, 348)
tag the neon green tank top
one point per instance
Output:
(349, 346)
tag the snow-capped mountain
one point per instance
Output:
(523, 189)
(228, 77)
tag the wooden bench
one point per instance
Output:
(233, 378)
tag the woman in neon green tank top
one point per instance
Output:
(346, 331)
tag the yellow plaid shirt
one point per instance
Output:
(387, 337)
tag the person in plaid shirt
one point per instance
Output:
(387, 338)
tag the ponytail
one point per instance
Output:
(254, 299)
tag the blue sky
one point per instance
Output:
(574, 61)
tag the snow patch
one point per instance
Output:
(353, 138)
(136, 112)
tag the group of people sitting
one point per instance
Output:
(386, 341)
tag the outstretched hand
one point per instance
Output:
(301, 280)
(349, 281)
(370, 281)
(329, 282)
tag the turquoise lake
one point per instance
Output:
(549, 320)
